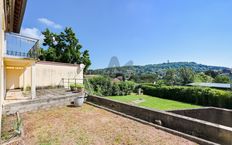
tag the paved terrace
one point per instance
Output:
(17, 95)
(90, 125)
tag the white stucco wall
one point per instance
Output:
(52, 73)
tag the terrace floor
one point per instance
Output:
(13, 96)
(90, 125)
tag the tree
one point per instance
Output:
(86, 60)
(222, 79)
(186, 75)
(212, 73)
(64, 47)
(170, 77)
(201, 77)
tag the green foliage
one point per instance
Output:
(157, 68)
(86, 60)
(144, 78)
(170, 77)
(186, 75)
(64, 47)
(194, 95)
(222, 79)
(212, 73)
(103, 86)
(201, 77)
(80, 86)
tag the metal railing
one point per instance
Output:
(66, 82)
(21, 46)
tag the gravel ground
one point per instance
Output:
(91, 125)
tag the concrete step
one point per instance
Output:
(40, 103)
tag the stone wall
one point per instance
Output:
(210, 114)
(199, 128)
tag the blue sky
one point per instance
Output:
(145, 31)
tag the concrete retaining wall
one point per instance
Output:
(42, 103)
(210, 114)
(195, 127)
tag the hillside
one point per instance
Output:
(158, 68)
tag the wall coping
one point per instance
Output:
(57, 63)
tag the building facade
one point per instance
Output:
(19, 65)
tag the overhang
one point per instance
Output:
(18, 62)
(14, 12)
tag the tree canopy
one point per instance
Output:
(64, 47)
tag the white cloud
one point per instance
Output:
(49, 23)
(32, 32)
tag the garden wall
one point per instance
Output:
(199, 128)
(211, 114)
(52, 73)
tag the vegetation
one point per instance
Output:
(64, 47)
(222, 79)
(77, 85)
(11, 128)
(193, 95)
(179, 73)
(202, 77)
(153, 102)
(103, 86)
(158, 68)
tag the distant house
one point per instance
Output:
(212, 85)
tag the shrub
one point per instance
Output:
(76, 87)
(103, 86)
(126, 87)
(194, 95)
(79, 86)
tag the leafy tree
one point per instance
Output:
(86, 60)
(144, 78)
(201, 77)
(212, 73)
(222, 79)
(64, 47)
(186, 75)
(170, 77)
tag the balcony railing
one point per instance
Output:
(21, 46)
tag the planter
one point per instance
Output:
(79, 101)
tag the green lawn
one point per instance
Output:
(153, 102)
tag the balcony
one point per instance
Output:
(19, 46)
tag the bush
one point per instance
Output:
(79, 86)
(222, 79)
(76, 87)
(103, 86)
(193, 95)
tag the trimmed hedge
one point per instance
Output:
(193, 95)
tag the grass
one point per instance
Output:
(153, 102)
(88, 125)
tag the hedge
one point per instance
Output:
(193, 95)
